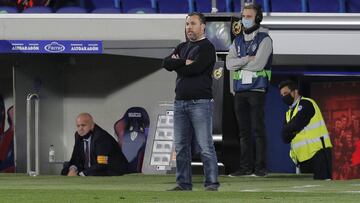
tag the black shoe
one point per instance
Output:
(178, 188)
(240, 173)
(211, 189)
(260, 173)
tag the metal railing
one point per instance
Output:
(29, 99)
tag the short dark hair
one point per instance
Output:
(198, 14)
(290, 84)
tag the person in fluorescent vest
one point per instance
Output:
(305, 130)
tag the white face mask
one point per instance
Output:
(248, 23)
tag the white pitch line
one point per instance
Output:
(251, 190)
(353, 191)
(289, 191)
(306, 186)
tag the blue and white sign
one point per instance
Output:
(51, 46)
(54, 47)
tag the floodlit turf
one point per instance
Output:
(150, 188)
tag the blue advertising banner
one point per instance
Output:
(51, 46)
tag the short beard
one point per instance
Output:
(194, 38)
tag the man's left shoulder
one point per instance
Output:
(99, 132)
(264, 32)
(207, 43)
(304, 103)
(208, 47)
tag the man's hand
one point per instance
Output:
(175, 56)
(188, 62)
(251, 58)
(287, 134)
(72, 172)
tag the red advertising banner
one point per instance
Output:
(340, 105)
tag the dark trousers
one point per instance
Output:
(320, 164)
(249, 111)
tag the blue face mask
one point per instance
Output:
(248, 23)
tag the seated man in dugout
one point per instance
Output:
(95, 153)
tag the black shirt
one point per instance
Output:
(305, 112)
(193, 81)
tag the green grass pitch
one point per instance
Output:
(16, 188)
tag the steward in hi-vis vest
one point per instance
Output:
(312, 138)
(306, 132)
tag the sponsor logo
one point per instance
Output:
(236, 28)
(300, 108)
(24, 47)
(55, 47)
(133, 135)
(218, 73)
(82, 47)
(254, 46)
(134, 115)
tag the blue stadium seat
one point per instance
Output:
(94, 5)
(324, 6)
(173, 6)
(288, 6)
(141, 10)
(127, 5)
(263, 3)
(106, 10)
(104, 3)
(353, 6)
(8, 9)
(204, 6)
(38, 9)
(71, 9)
(57, 4)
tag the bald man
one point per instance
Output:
(96, 152)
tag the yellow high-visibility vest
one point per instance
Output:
(307, 142)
